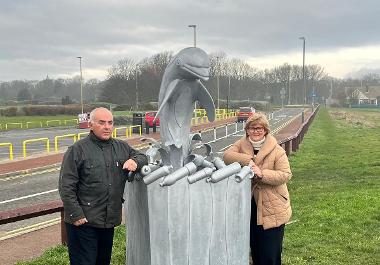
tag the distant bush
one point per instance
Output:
(122, 120)
(9, 112)
(122, 107)
(44, 110)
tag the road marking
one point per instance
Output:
(28, 196)
(30, 228)
(31, 174)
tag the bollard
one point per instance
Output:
(154, 127)
(146, 128)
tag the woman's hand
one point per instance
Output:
(256, 170)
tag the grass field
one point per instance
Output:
(335, 193)
(36, 121)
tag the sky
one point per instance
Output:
(45, 37)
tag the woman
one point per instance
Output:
(270, 205)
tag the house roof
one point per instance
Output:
(372, 93)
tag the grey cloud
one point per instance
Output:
(57, 31)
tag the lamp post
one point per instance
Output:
(137, 89)
(229, 92)
(81, 82)
(303, 69)
(195, 34)
(217, 81)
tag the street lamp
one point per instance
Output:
(217, 81)
(282, 94)
(195, 34)
(303, 69)
(137, 90)
(81, 82)
(229, 92)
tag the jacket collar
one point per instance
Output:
(269, 144)
(99, 142)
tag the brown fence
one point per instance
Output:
(290, 144)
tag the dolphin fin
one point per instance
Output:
(168, 93)
(205, 99)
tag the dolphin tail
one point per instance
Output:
(205, 99)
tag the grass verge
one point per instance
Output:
(335, 192)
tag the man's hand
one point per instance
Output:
(130, 165)
(80, 222)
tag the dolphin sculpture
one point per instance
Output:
(180, 88)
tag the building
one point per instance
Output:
(368, 95)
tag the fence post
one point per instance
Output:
(63, 230)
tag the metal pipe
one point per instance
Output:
(218, 162)
(147, 169)
(159, 173)
(201, 174)
(246, 171)
(186, 170)
(225, 172)
(200, 161)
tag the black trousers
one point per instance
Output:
(266, 245)
(89, 245)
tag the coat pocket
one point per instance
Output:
(92, 171)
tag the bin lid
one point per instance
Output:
(138, 114)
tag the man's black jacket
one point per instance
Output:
(92, 180)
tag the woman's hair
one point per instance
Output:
(257, 118)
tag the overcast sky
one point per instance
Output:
(40, 37)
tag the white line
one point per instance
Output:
(28, 196)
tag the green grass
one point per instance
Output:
(59, 255)
(36, 120)
(335, 193)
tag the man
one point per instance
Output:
(91, 185)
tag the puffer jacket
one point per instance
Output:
(271, 192)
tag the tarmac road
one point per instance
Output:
(24, 190)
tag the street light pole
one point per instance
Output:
(303, 70)
(217, 81)
(137, 89)
(81, 82)
(229, 92)
(195, 34)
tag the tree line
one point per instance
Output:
(136, 84)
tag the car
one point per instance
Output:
(244, 113)
(149, 117)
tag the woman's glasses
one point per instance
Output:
(256, 129)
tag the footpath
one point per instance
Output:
(33, 244)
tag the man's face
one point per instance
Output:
(102, 126)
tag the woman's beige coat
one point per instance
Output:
(270, 193)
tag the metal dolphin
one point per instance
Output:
(180, 88)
